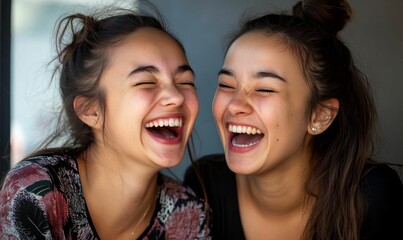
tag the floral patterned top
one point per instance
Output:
(42, 198)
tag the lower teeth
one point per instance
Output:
(243, 145)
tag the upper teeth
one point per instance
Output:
(244, 129)
(166, 122)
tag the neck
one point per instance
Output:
(128, 191)
(272, 197)
(278, 192)
(275, 203)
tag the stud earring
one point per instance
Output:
(315, 128)
(328, 117)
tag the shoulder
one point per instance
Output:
(217, 184)
(212, 170)
(179, 204)
(212, 162)
(381, 182)
(37, 172)
(383, 195)
(174, 189)
(173, 192)
(36, 169)
(29, 192)
(31, 170)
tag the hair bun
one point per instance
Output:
(332, 15)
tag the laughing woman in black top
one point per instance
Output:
(296, 120)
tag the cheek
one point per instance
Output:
(219, 106)
(270, 111)
(130, 108)
(289, 127)
(140, 102)
(279, 118)
(192, 103)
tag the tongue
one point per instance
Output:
(246, 139)
(162, 132)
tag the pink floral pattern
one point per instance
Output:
(41, 198)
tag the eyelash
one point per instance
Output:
(188, 83)
(143, 83)
(152, 83)
(221, 85)
(266, 91)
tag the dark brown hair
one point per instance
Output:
(341, 152)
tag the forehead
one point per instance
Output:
(259, 44)
(147, 35)
(147, 44)
(257, 51)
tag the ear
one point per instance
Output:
(323, 115)
(87, 111)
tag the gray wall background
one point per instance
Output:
(375, 36)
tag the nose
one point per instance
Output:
(172, 96)
(239, 105)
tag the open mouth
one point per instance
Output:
(244, 136)
(169, 128)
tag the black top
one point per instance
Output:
(381, 186)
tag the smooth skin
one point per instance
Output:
(263, 94)
(147, 81)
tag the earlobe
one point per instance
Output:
(323, 115)
(87, 111)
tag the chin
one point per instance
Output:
(168, 161)
(240, 166)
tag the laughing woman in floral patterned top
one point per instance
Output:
(130, 105)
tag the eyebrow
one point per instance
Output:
(148, 69)
(152, 69)
(258, 75)
(225, 71)
(268, 74)
(184, 68)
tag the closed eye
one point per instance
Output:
(268, 91)
(188, 83)
(222, 85)
(144, 83)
